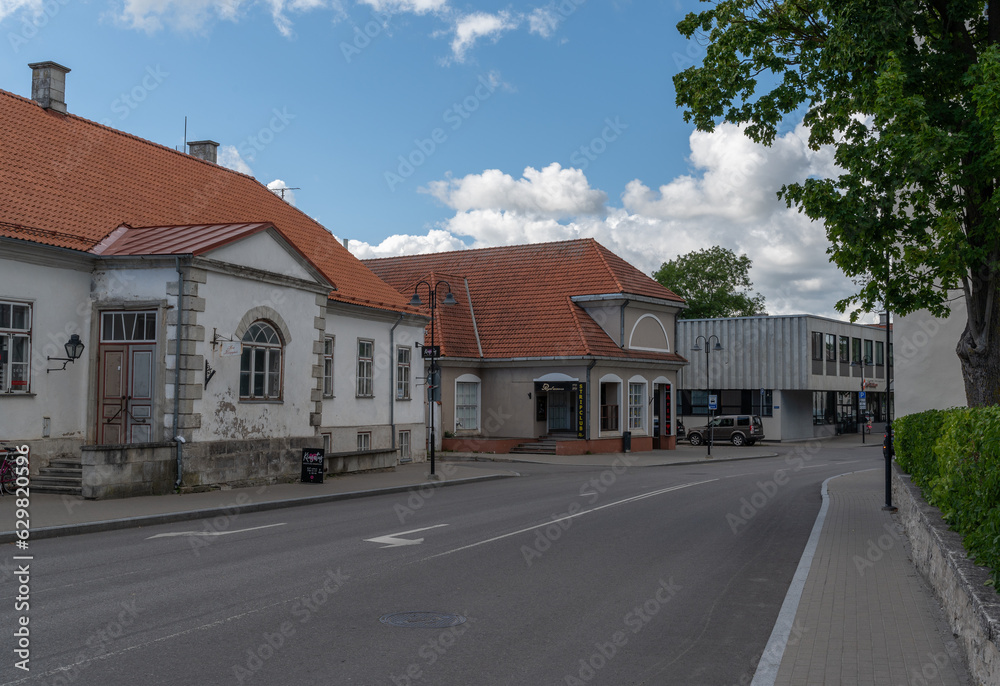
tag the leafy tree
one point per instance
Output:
(715, 283)
(908, 94)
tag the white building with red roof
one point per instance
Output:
(561, 341)
(220, 330)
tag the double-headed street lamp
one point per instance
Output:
(433, 380)
(708, 380)
(866, 361)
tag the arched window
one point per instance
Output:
(260, 365)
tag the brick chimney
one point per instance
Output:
(48, 85)
(204, 150)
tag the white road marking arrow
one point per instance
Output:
(393, 540)
(213, 533)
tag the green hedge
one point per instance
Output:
(954, 457)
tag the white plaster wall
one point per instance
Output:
(346, 409)
(61, 306)
(261, 251)
(223, 415)
(927, 372)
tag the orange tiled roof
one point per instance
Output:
(515, 301)
(69, 182)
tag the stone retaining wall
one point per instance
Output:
(123, 471)
(972, 607)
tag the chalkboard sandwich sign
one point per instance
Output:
(313, 463)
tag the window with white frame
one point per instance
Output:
(636, 405)
(328, 366)
(15, 347)
(404, 446)
(467, 403)
(364, 440)
(366, 365)
(402, 373)
(260, 363)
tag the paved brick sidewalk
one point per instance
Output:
(866, 616)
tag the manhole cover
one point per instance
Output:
(422, 620)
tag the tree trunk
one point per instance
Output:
(981, 363)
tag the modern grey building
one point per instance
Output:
(803, 374)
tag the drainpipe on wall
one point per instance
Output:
(621, 342)
(392, 378)
(178, 439)
(590, 393)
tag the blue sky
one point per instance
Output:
(420, 125)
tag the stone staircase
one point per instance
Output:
(545, 446)
(64, 476)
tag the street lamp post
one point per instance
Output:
(434, 382)
(866, 361)
(708, 380)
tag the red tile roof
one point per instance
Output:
(69, 182)
(518, 298)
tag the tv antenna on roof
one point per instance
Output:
(283, 189)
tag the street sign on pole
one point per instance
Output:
(861, 395)
(713, 402)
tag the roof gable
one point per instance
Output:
(517, 301)
(70, 182)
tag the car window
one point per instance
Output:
(727, 421)
(743, 421)
(756, 421)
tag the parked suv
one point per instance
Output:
(738, 429)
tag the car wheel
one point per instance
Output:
(738, 440)
(695, 439)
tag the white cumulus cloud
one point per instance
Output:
(406, 6)
(230, 158)
(280, 188)
(728, 199)
(470, 28)
(551, 192)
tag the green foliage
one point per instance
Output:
(954, 456)
(715, 282)
(908, 94)
(914, 436)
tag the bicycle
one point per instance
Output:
(8, 475)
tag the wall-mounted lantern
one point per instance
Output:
(74, 349)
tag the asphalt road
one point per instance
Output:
(567, 575)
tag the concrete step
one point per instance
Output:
(56, 490)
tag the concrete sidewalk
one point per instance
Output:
(866, 616)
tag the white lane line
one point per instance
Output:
(213, 533)
(578, 514)
(104, 656)
(767, 668)
(393, 540)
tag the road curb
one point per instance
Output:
(483, 457)
(231, 510)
